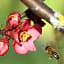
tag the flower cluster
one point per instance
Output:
(22, 33)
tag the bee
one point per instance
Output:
(51, 51)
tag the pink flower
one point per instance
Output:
(13, 19)
(12, 23)
(4, 45)
(25, 36)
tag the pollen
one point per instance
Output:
(61, 20)
(60, 17)
(24, 36)
(14, 16)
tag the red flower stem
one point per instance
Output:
(11, 29)
(3, 32)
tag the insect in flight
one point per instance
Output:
(51, 51)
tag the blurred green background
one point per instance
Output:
(40, 56)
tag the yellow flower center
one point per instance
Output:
(14, 16)
(61, 20)
(24, 36)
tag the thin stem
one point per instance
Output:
(2, 32)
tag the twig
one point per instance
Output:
(2, 32)
(40, 9)
(32, 16)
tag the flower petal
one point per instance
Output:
(3, 48)
(30, 46)
(16, 37)
(26, 22)
(35, 32)
(4, 45)
(19, 49)
(14, 18)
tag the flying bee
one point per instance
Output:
(51, 51)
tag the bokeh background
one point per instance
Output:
(40, 56)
